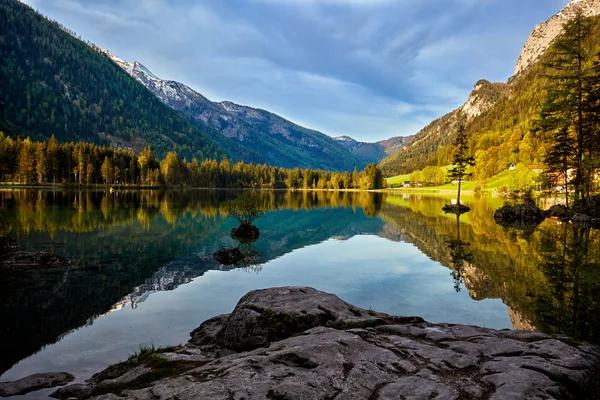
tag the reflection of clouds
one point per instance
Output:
(369, 271)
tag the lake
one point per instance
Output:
(142, 271)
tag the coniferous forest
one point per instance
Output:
(28, 162)
(55, 84)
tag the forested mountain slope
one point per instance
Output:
(503, 132)
(430, 146)
(53, 83)
(281, 142)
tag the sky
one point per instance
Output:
(369, 69)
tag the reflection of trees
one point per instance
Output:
(459, 254)
(132, 243)
(251, 260)
(244, 256)
(571, 261)
(75, 211)
(548, 275)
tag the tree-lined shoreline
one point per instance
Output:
(25, 162)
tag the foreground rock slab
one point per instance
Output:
(300, 343)
(34, 382)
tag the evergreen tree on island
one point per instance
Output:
(461, 161)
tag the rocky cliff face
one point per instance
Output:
(544, 34)
(281, 142)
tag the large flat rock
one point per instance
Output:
(300, 343)
(34, 382)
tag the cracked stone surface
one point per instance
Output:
(300, 343)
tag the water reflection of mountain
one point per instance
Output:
(548, 278)
(126, 247)
(282, 232)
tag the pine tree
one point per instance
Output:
(40, 161)
(52, 156)
(565, 115)
(107, 171)
(461, 160)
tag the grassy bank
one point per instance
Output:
(505, 179)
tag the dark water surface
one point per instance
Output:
(142, 272)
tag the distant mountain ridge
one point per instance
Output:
(373, 152)
(279, 141)
(53, 83)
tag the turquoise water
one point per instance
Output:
(142, 272)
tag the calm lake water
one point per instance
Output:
(142, 272)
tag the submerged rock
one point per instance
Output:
(527, 212)
(300, 343)
(34, 382)
(7, 245)
(10, 256)
(34, 259)
(228, 255)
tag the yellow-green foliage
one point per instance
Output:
(498, 137)
(519, 179)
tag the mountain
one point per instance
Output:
(279, 141)
(373, 152)
(53, 83)
(424, 147)
(544, 34)
(499, 118)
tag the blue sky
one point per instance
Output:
(370, 69)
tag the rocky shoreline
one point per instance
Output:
(300, 343)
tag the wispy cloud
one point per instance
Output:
(366, 68)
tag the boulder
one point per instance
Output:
(581, 218)
(263, 316)
(558, 211)
(300, 343)
(527, 212)
(34, 382)
(245, 233)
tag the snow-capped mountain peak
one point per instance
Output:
(257, 130)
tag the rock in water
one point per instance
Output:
(228, 255)
(34, 382)
(558, 211)
(455, 208)
(527, 212)
(245, 233)
(581, 218)
(300, 343)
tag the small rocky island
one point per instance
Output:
(300, 343)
